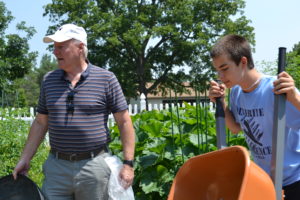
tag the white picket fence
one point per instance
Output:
(18, 113)
(132, 109)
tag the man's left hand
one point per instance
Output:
(126, 176)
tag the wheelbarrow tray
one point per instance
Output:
(225, 174)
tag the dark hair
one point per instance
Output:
(235, 47)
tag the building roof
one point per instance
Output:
(191, 94)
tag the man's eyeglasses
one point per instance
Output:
(70, 102)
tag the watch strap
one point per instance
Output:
(128, 162)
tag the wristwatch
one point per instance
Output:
(128, 162)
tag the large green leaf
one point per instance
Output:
(165, 142)
(152, 127)
(148, 160)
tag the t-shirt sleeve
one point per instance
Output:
(232, 106)
(293, 122)
(115, 97)
(42, 106)
(292, 116)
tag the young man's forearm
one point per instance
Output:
(230, 122)
(296, 101)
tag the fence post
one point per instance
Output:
(135, 109)
(31, 110)
(142, 102)
(150, 107)
(130, 109)
(161, 106)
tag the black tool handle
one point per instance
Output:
(281, 59)
(219, 108)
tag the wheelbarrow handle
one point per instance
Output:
(279, 132)
(281, 59)
(219, 108)
(220, 124)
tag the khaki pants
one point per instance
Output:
(77, 180)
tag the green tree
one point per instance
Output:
(293, 64)
(144, 41)
(267, 67)
(48, 63)
(15, 58)
(28, 87)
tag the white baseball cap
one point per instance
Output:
(67, 32)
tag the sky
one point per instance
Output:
(30, 11)
(276, 24)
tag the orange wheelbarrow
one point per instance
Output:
(225, 174)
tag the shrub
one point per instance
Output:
(164, 141)
(13, 135)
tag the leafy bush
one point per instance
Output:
(164, 141)
(13, 135)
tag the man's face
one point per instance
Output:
(67, 54)
(228, 72)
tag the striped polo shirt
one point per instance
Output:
(77, 117)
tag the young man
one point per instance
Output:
(252, 107)
(74, 105)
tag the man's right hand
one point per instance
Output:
(21, 168)
(216, 90)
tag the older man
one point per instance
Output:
(74, 104)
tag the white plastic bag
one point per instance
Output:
(115, 189)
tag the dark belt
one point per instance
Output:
(78, 156)
(292, 186)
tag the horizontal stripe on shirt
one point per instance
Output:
(96, 95)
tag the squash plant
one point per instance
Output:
(164, 141)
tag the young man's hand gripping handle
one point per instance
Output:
(217, 90)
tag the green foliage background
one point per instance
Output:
(147, 41)
(16, 57)
(164, 141)
(293, 64)
(13, 135)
